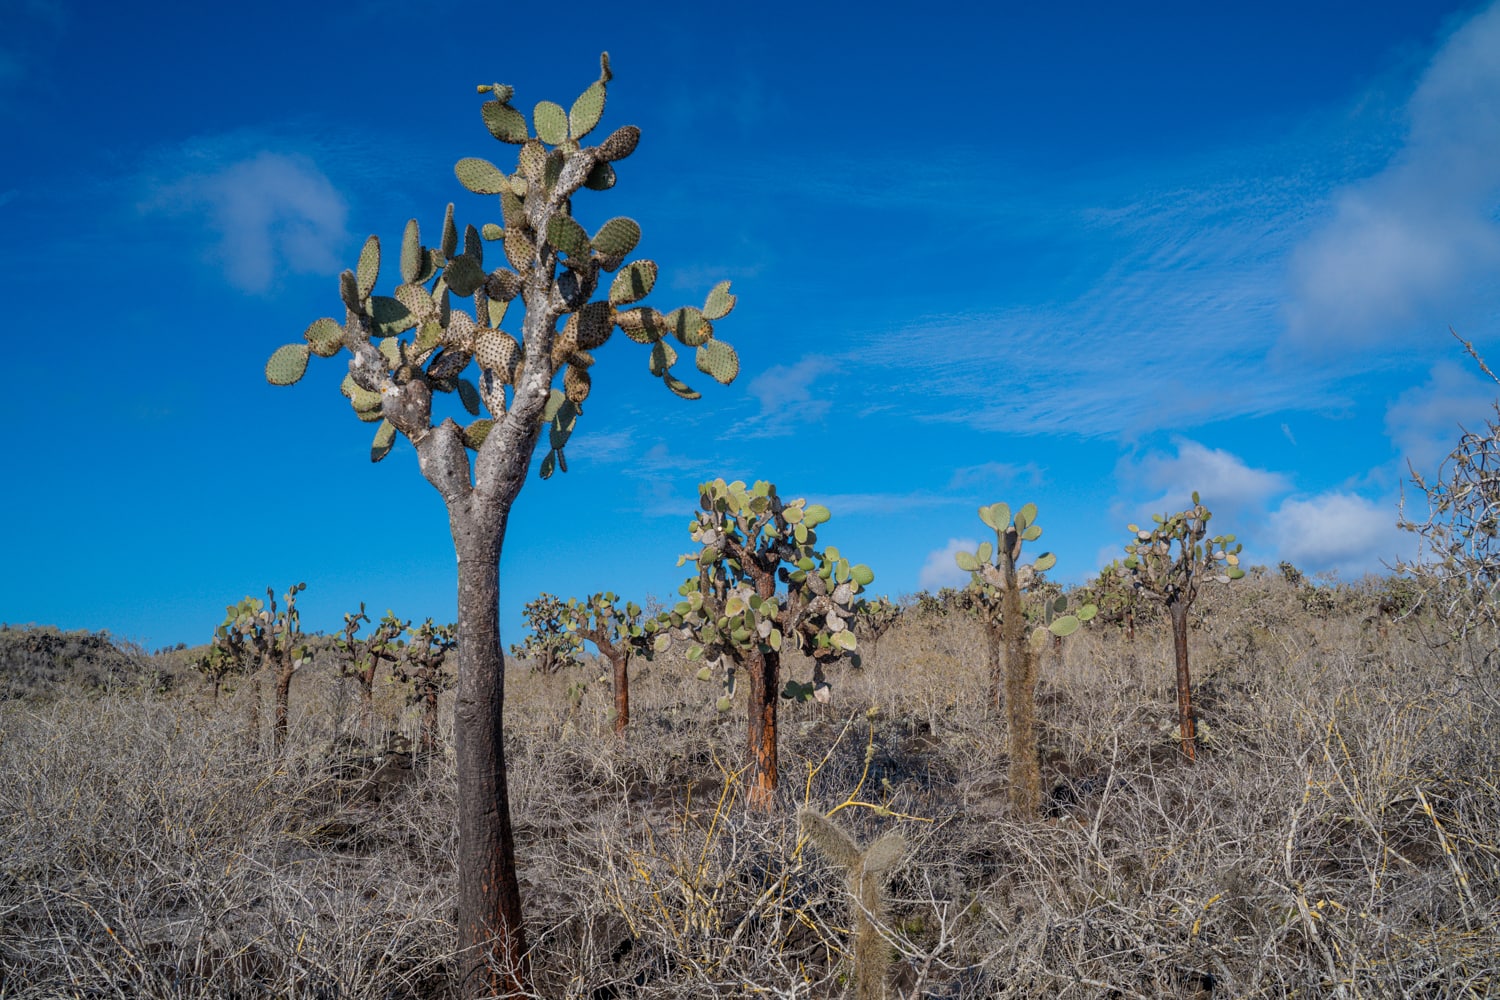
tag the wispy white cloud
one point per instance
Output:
(1345, 532)
(940, 569)
(885, 503)
(262, 216)
(995, 475)
(1227, 485)
(1425, 421)
(1412, 244)
(787, 398)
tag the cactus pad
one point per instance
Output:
(325, 336)
(497, 351)
(463, 275)
(368, 271)
(719, 361)
(576, 384)
(551, 123)
(633, 283)
(586, 111)
(411, 253)
(287, 364)
(620, 144)
(601, 178)
(719, 302)
(385, 437)
(504, 122)
(616, 238)
(469, 396)
(480, 176)
(567, 235)
(519, 249)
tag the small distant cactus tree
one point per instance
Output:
(1115, 597)
(618, 632)
(872, 620)
(549, 647)
(420, 664)
(1170, 563)
(865, 869)
(255, 631)
(360, 658)
(408, 349)
(998, 586)
(737, 619)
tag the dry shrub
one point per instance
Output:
(1338, 835)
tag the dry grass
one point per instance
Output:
(1339, 837)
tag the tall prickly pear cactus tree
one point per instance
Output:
(420, 664)
(997, 585)
(736, 618)
(549, 646)
(1170, 563)
(408, 348)
(360, 658)
(618, 632)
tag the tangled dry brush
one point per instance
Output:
(1339, 835)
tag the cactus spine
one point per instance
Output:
(996, 587)
(409, 347)
(866, 870)
(1170, 563)
(736, 620)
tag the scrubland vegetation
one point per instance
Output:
(1337, 836)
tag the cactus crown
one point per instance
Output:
(407, 346)
(995, 570)
(611, 625)
(750, 540)
(1171, 560)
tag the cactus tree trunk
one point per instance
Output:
(764, 671)
(491, 936)
(283, 698)
(1186, 727)
(620, 660)
(1020, 692)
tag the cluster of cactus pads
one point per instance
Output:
(413, 343)
(255, 634)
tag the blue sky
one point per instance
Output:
(1087, 257)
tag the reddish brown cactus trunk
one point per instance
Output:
(760, 750)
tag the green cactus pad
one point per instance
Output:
(1025, 517)
(450, 234)
(475, 433)
(349, 291)
(370, 416)
(687, 325)
(601, 178)
(1032, 533)
(568, 236)
(719, 302)
(463, 275)
(586, 111)
(1044, 562)
(519, 249)
(325, 336)
(287, 364)
(390, 349)
(663, 357)
(617, 237)
(502, 285)
(385, 436)
(620, 144)
(643, 324)
(595, 323)
(633, 283)
(504, 122)
(996, 516)
(512, 211)
(480, 176)
(411, 253)
(531, 163)
(492, 232)
(551, 123)
(1064, 626)
(719, 361)
(469, 396)
(576, 383)
(368, 270)
(390, 315)
(497, 351)
(680, 387)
